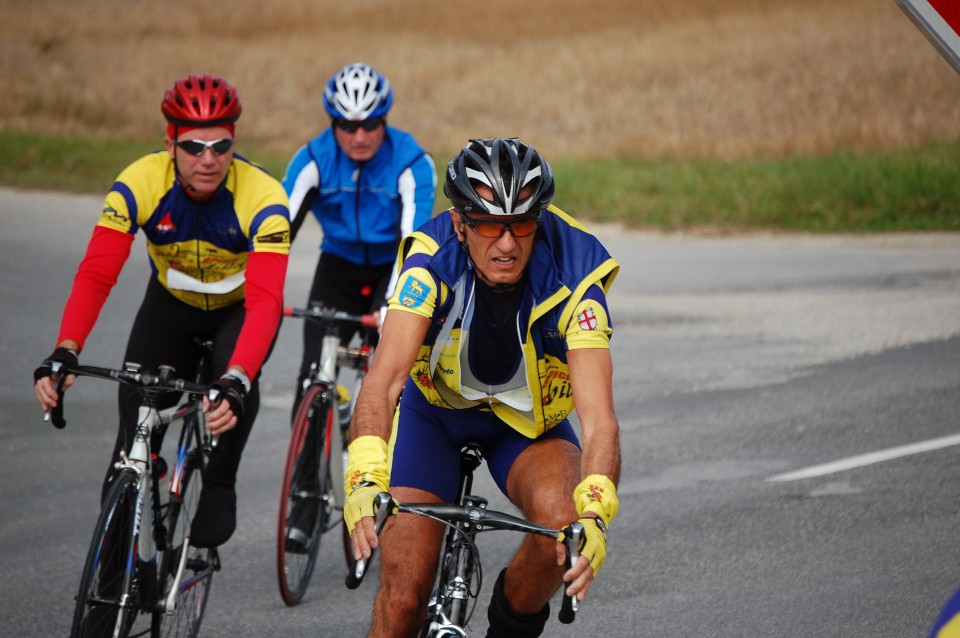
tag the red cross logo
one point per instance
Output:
(587, 320)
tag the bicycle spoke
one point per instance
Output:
(193, 587)
(107, 595)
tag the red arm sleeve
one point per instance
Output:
(265, 275)
(107, 251)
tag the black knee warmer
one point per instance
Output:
(504, 623)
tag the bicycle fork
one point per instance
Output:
(143, 552)
(176, 490)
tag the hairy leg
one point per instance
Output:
(409, 550)
(541, 484)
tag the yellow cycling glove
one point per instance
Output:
(594, 542)
(597, 495)
(367, 475)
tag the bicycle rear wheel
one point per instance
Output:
(306, 499)
(108, 589)
(193, 587)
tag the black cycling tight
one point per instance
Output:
(338, 283)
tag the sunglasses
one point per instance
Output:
(197, 147)
(351, 126)
(494, 228)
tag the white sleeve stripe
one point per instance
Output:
(307, 179)
(407, 189)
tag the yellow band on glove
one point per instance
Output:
(597, 494)
(366, 476)
(367, 463)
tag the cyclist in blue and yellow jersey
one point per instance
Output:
(498, 329)
(947, 623)
(218, 238)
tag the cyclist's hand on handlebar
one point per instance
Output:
(45, 385)
(358, 517)
(366, 476)
(593, 553)
(226, 396)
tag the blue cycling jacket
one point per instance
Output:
(364, 208)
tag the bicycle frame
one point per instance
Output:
(312, 495)
(332, 356)
(137, 462)
(327, 375)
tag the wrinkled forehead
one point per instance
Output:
(486, 193)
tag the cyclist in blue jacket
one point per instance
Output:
(369, 185)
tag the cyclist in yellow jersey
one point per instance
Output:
(498, 328)
(218, 237)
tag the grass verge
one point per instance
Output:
(914, 189)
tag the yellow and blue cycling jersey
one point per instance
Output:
(198, 250)
(564, 308)
(947, 624)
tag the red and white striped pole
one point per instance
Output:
(939, 20)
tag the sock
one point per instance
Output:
(505, 623)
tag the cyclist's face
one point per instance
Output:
(499, 260)
(360, 145)
(203, 173)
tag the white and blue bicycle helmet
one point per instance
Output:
(357, 92)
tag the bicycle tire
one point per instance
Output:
(201, 563)
(306, 479)
(106, 580)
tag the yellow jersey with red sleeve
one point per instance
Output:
(563, 308)
(198, 250)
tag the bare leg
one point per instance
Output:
(541, 484)
(409, 551)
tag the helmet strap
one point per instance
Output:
(184, 184)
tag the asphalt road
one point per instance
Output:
(738, 360)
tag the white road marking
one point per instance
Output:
(868, 459)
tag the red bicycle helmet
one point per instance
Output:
(201, 100)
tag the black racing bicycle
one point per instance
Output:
(311, 496)
(142, 575)
(459, 572)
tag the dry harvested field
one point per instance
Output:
(697, 78)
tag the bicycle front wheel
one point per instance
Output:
(106, 600)
(306, 498)
(185, 580)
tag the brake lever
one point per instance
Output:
(383, 504)
(570, 605)
(55, 414)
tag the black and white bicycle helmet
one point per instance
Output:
(507, 166)
(357, 92)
